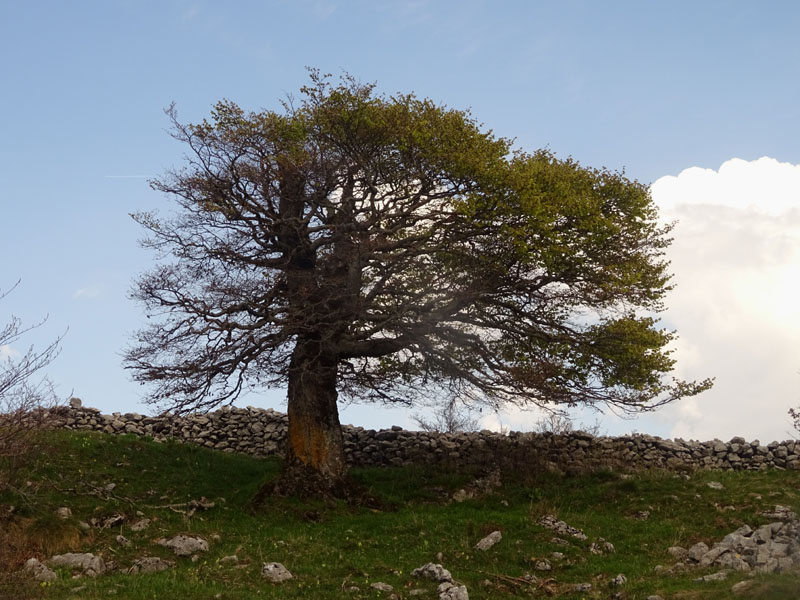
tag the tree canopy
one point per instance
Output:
(354, 245)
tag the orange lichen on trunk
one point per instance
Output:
(307, 441)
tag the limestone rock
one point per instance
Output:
(39, 571)
(489, 541)
(63, 513)
(560, 527)
(184, 545)
(432, 571)
(275, 572)
(140, 525)
(88, 563)
(381, 586)
(697, 551)
(720, 576)
(452, 591)
(150, 564)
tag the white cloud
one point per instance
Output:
(736, 260)
(90, 291)
(7, 352)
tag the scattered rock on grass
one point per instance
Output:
(560, 527)
(89, 564)
(489, 541)
(275, 572)
(39, 571)
(433, 571)
(741, 588)
(140, 525)
(184, 545)
(63, 513)
(381, 586)
(150, 564)
(720, 576)
(452, 591)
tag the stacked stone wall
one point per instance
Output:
(261, 432)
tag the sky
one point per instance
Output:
(698, 99)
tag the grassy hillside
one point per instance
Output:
(332, 548)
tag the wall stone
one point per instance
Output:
(262, 432)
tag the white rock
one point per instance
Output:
(90, 564)
(184, 545)
(432, 571)
(452, 591)
(275, 572)
(489, 541)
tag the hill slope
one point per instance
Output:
(145, 491)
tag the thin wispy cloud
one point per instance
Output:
(88, 292)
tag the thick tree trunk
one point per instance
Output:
(315, 463)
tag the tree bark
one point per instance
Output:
(315, 462)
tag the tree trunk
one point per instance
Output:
(315, 463)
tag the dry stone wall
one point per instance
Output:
(261, 432)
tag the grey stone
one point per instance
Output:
(697, 551)
(489, 541)
(184, 545)
(229, 560)
(140, 525)
(381, 586)
(619, 580)
(677, 552)
(275, 572)
(432, 571)
(452, 591)
(741, 588)
(75, 402)
(715, 485)
(720, 576)
(89, 564)
(582, 587)
(150, 564)
(39, 571)
(63, 513)
(542, 565)
(560, 527)
(123, 541)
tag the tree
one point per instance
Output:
(450, 416)
(378, 248)
(22, 396)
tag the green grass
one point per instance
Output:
(331, 546)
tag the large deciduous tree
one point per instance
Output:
(353, 245)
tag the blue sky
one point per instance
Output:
(653, 87)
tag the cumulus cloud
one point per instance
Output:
(736, 264)
(736, 260)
